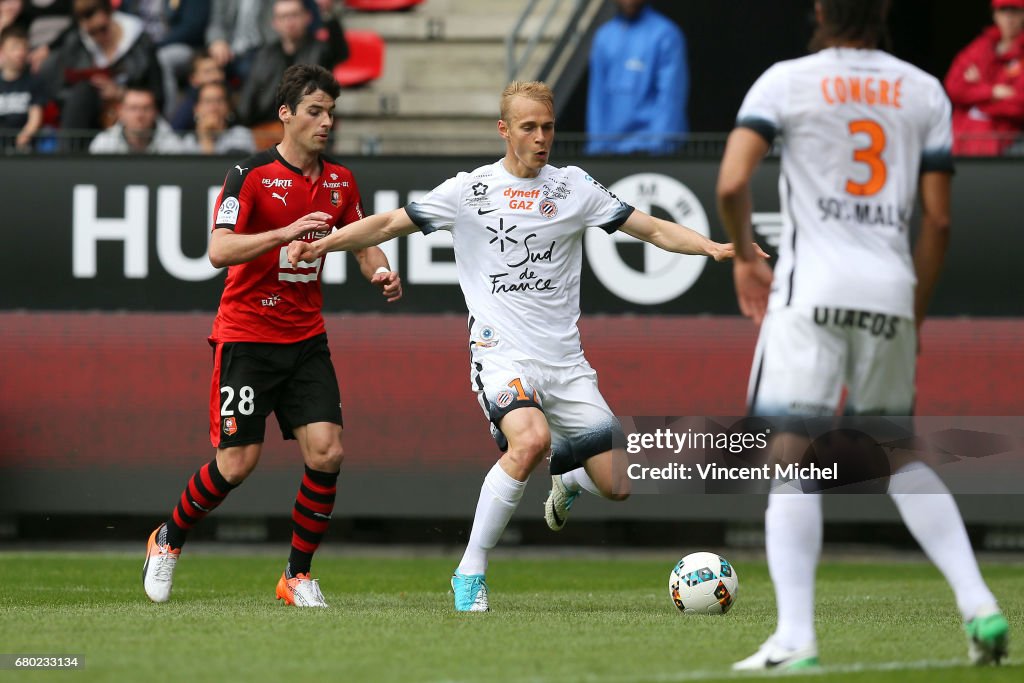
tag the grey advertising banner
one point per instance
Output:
(130, 234)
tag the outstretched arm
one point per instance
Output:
(673, 237)
(368, 232)
(228, 248)
(752, 276)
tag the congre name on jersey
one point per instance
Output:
(863, 213)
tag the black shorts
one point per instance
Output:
(296, 382)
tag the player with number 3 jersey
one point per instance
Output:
(858, 128)
(861, 132)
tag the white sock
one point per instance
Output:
(499, 498)
(793, 542)
(579, 480)
(931, 515)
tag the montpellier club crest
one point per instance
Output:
(548, 208)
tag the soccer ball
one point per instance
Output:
(703, 583)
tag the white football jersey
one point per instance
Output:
(519, 252)
(857, 128)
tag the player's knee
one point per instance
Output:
(530, 448)
(617, 490)
(235, 469)
(327, 459)
(617, 495)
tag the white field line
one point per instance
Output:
(713, 675)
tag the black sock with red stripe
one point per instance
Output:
(206, 490)
(312, 513)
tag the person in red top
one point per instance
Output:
(269, 339)
(986, 85)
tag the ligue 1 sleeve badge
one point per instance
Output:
(335, 197)
(230, 426)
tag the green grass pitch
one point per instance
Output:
(554, 620)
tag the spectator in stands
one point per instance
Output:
(139, 128)
(326, 21)
(152, 14)
(214, 133)
(639, 83)
(178, 29)
(13, 12)
(89, 68)
(21, 93)
(205, 69)
(237, 29)
(48, 20)
(986, 84)
(257, 105)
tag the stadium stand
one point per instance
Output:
(366, 59)
(381, 5)
(446, 59)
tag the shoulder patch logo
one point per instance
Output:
(228, 212)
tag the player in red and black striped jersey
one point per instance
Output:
(269, 339)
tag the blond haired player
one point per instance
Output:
(517, 226)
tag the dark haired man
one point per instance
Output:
(860, 131)
(88, 69)
(269, 340)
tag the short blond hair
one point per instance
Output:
(537, 91)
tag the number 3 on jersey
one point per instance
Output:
(288, 274)
(870, 156)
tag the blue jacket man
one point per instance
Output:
(639, 83)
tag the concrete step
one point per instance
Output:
(406, 27)
(477, 7)
(419, 135)
(448, 66)
(348, 145)
(445, 66)
(421, 126)
(368, 103)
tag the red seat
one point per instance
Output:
(381, 5)
(365, 62)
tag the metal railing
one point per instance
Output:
(515, 63)
(566, 145)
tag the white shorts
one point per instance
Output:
(805, 357)
(581, 423)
